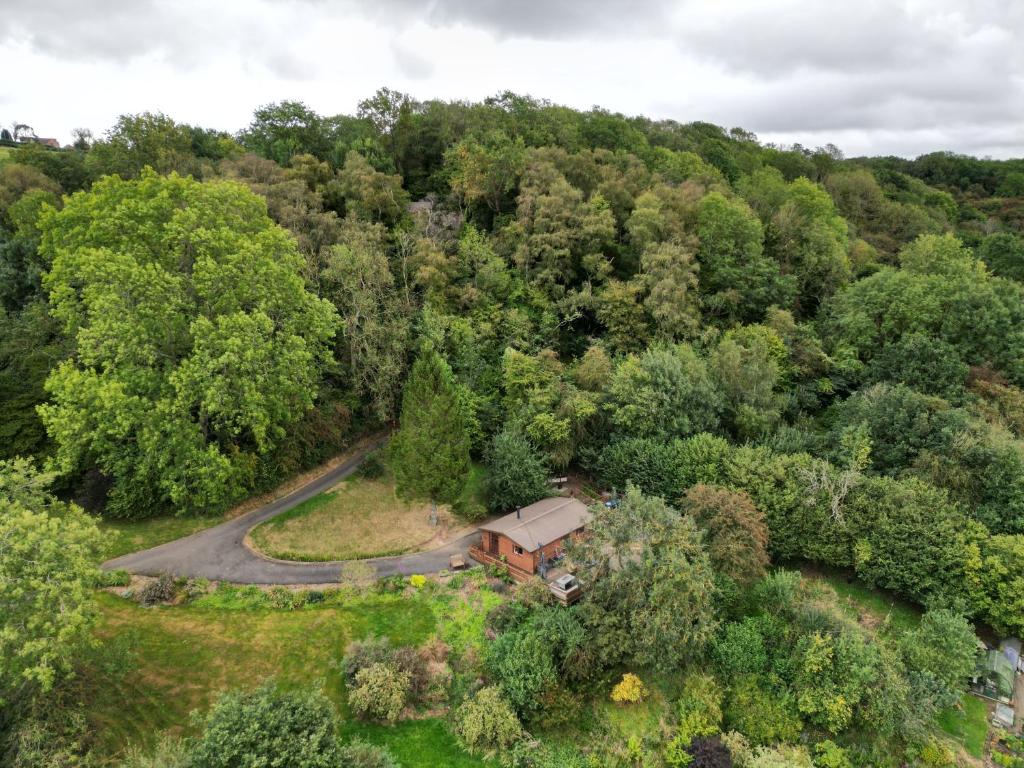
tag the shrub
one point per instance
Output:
(410, 662)
(160, 590)
(195, 588)
(486, 722)
(761, 716)
(417, 580)
(380, 692)
(281, 598)
(267, 727)
(372, 467)
(740, 649)
(534, 593)
(361, 654)
(361, 754)
(629, 690)
(709, 752)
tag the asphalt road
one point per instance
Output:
(220, 553)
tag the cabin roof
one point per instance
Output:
(541, 523)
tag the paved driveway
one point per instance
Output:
(219, 553)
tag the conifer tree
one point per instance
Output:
(430, 453)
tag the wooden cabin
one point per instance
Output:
(531, 535)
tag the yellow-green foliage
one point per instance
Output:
(417, 580)
(630, 690)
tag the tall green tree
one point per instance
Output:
(517, 473)
(374, 340)
(650, 582)
(430, 452)
(48, 551)
(196, 343)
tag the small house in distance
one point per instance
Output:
(532, 536)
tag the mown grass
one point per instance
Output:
(415, 743)
(886, 613)
(163, 663)
(359, 518)
(967, 724)
(125, 536)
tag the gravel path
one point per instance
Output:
(220, 553)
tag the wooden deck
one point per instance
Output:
(488, 559)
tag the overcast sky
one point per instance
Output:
(872, 76)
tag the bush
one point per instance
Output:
(518, 474)
(486, 722)
(372, 467)
(162, 589)
(361, 654)
(417, 580)
(268, 727)
(758, 714)
(629, 690)
(361, 754)
(281, 598)
(380, 692)
(169, 752)
(534, 593)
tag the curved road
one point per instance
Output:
(220, 553)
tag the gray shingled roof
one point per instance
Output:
(542, 522)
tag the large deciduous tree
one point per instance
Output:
(735, 531)
(375, 337)
(196, 343)
(650, 582)
(48, 551)
(430, 453)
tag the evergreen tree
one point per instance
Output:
(431, 450)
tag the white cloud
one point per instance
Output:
(903, 76)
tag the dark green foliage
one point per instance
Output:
(739, 649)
(761, 715)
(651, 465)
(1003, 253)
(900, 423)
(940, 655)
(267, 727)
(517, 473)
(30, 345)
(430, 453)
(924, 363)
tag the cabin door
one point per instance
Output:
(492, 543)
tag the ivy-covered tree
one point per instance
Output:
(430, 452)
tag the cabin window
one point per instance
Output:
(517, 550)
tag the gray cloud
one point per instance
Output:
(537, 19)
(884, 75)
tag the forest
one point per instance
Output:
(778, 360)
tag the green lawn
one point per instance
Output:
(156, 665)
(967, 725)
(860, 600)
(124, 536)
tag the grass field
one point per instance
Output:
(159, 664)
(967, 725)
(359, 518)
(124, 536)
(887, 613)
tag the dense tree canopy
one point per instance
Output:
(196, 343)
